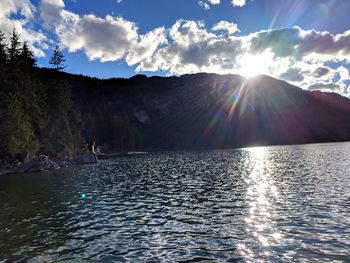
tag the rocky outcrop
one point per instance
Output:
(38, 164)
(63, 163)
(41, 163)
(86, 158)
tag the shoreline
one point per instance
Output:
(43, 163)
(93, 158)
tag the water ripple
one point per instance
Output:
(281, 204)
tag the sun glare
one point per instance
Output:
(257, 152)
(251, 66)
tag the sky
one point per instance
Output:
(305, 42)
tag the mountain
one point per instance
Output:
(203, 111)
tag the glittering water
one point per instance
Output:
(281, 204)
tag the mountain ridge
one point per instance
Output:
(204, 111)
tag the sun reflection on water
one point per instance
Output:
(261, 196)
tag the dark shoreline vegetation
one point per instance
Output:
(53, 113)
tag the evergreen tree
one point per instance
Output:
(3, 53)
(57, 59)
(76, 126)
(15, 48)
(35, 111)
(26, 57)
(58, 135)
(32, 95)
(16, 132)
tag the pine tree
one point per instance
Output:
(16, 131)
(35, 113)
(3, 53)
(15, 48)
(26, 57)
(76, 127)
(58, 136)
(57, 60)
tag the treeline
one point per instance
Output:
(36, 116)
(112, 131)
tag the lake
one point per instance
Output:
(279, 203)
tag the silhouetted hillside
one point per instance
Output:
(203, 111)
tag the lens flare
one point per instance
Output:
(252, 66)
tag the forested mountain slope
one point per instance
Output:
(203, 111)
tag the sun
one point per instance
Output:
(251, 66)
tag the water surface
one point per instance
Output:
(281, 204)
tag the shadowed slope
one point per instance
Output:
(208, 111)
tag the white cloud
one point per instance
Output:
(26, 10)
(206, 4)
(193, 49)
(50, 12)
(299, 56)
(306, 52)
(23, 7)
(146, 46)
(299, 43)
(104, 39)
(315, 75)
(296, 55)
(231, 28)
(238, 3)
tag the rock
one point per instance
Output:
(7, 168)
(63, 163)
(41, 163)
(86, 158)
